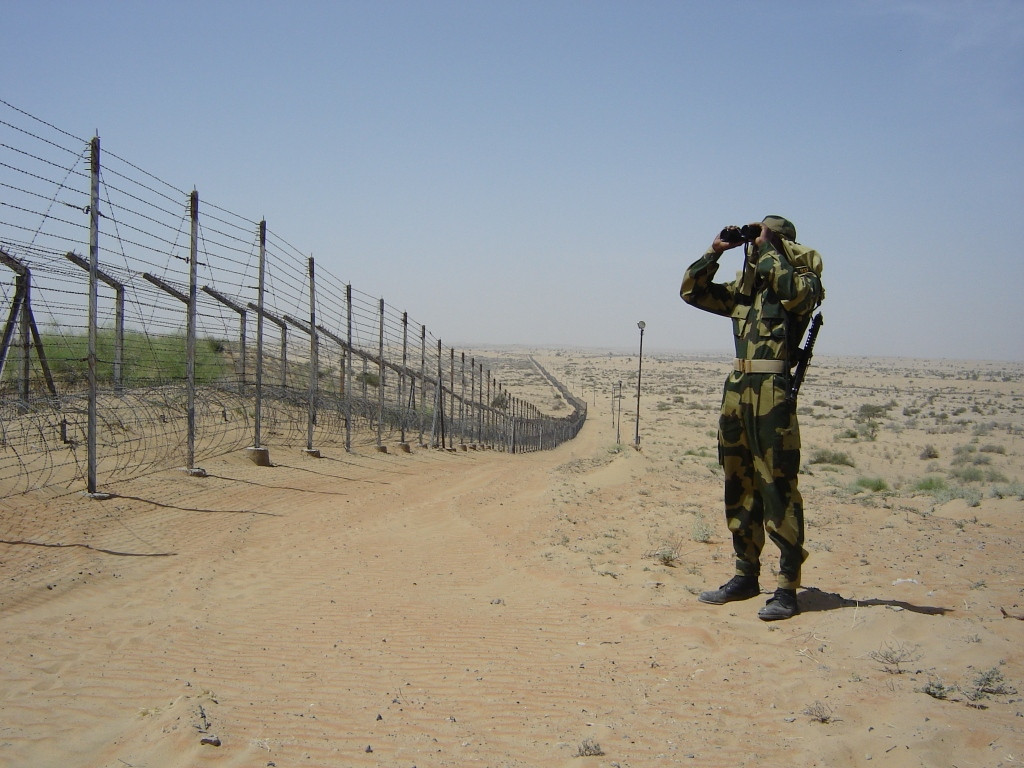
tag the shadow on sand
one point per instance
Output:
(90, 547)
(813, 599)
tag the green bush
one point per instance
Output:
(931, 484)
(828, 456)
(969, 474)
(147, 359)
(368, 378)
(873, 484)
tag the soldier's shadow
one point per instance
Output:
(813, 599)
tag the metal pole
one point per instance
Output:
(314, 360)
(472, 399)
(380, 379)
(401, 376)
(480, 409)
(348, 369)
(25, 343)
(489, 418)
(462, 401)
(618, 423)
(190, 331)
(641, 325)
(451, 388)
(259, 333)
(423, 380)
(94, 258)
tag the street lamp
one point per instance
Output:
(640, 369)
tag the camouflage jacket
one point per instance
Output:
(769, 322)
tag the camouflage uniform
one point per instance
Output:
(758, 435)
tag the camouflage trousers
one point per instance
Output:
(759, 450)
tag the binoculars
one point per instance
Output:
(745, 234)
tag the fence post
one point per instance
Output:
(259, 454)
(473, 410)
(190, 333)
(451, 396)
(402, 410)
(380, 381)
(348, 369)
(489, 434)
(462, 404)
(438, 403)
(423, 380)
(94, 257)
(314, 364)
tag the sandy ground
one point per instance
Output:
(479, 608)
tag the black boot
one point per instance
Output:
(781, 605)
(737, 588)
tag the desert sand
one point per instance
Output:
(463, 608)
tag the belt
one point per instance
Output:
(760, 366)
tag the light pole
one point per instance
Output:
(618, 424)
(639, 372)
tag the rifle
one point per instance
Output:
(804, 357)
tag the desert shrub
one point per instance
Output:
(368, 378)
(868, 411)
(668, 555)
(929, 452)
(868, 430)
(828, 456)
(962, 454)
(873, 484)
(938, 690)
(820, 712)
(993, 449)
(931, 484)
(1009, 491)
(968, 474)
(701, 531)
(892, 658)
(589, 748)
(943, 493)
(990, 682)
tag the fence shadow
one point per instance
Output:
(164, 505)
(87, 546)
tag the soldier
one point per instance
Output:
(770, 304)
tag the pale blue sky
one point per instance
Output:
(543, 172)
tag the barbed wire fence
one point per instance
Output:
(146, 329)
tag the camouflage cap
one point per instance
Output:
(781, 226)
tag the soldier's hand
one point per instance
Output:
(721, 246)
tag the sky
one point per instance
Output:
(542, 173)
